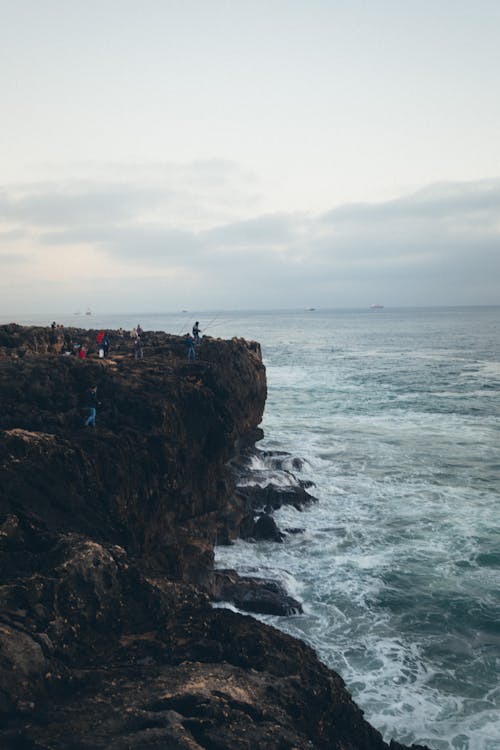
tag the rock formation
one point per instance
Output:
(108, 638)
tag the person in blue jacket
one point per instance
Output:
(92, 405)
(105, 345)
(191, 353)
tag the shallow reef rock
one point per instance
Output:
(108, 638)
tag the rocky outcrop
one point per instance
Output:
(254, 594)
(107, 635)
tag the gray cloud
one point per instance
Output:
(75, 205)
(439, 245)
(13, 258)
(437, 202)
(269, 230)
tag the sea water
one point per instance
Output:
(396, 415)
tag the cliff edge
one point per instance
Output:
(107, 634)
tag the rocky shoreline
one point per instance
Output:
(108, 638)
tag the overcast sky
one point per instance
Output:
(172, 154)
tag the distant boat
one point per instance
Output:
(376, 306)
(88, 311)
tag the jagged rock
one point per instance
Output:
(151, 477)
(265, 528)
(261, 595)
(271, 497)
(281, 460)
(107, 636)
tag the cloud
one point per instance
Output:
(440, 245)
(13, 258)
(120, 193)
(73, 205)
(269, 230)
(437, 203)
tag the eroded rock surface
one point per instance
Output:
(107, 635)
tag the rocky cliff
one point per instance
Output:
(107, 635)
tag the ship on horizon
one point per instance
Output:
(376, 306)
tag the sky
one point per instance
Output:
(204, 154)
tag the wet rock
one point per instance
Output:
(271, 497)
(261, 528)
(265, 528)
(260, 595)
(281, 460)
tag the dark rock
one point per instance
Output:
(107, 636)
(260, 595)
(273, 497)
(265, 528)
(306, 484)
(281, 460)
(262, 528)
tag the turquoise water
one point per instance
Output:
(397, 416)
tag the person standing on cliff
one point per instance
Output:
(196, 332)
(138, 348)
(191, 353)
(53, 337)
(105, 345)
(92, 405)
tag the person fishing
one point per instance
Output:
(196, 332)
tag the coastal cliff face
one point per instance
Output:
(107, 635)
(151, 476)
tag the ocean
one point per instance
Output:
(395, 414)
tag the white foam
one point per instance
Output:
(399, 429)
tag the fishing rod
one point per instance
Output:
(214, 325)
(182, 329)
(210, 323)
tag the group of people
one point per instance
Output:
(192, 341)
(102, 340)
(136, 334)
(74, 348)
